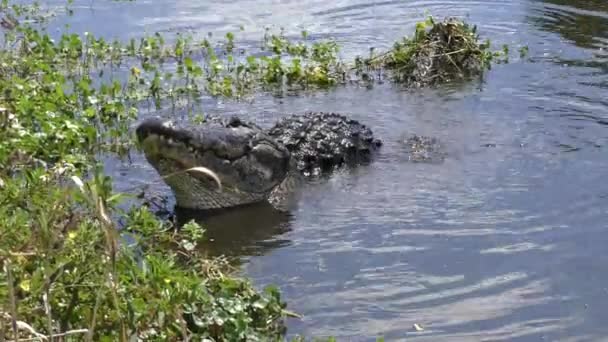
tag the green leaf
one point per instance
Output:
(188, 63)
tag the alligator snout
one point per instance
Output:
(157, 126)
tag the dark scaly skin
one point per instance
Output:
(321, 142)
(253, 165)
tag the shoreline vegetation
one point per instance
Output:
(75, 263)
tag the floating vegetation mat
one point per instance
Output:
(438, 52)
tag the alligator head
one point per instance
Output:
(248, 162)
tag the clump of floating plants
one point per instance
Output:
(438, 52)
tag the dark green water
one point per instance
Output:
(506, 240)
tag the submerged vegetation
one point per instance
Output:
(75, 258)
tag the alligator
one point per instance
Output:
(253, 165)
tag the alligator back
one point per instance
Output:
(320, 142)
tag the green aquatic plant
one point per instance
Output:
(283, 65)
(66, 270)
(438, 52)
(76, 260)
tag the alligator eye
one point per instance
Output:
(234, 122)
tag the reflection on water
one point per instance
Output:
(249, 230)
(582, 22)
(505, 240)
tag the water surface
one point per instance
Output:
(505, 240)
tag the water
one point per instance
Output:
(505, 240)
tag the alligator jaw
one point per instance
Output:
(248, 163)
(166, 147)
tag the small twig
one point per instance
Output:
(17, 254)
(13, 303)
(25, 326)
(44, 337)
(47, 311)
(2, 333)
(456, 65)
(291, 314)
(199, 169)
(448, 53)
(373, 59)
(183, 326)
(89, 336)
